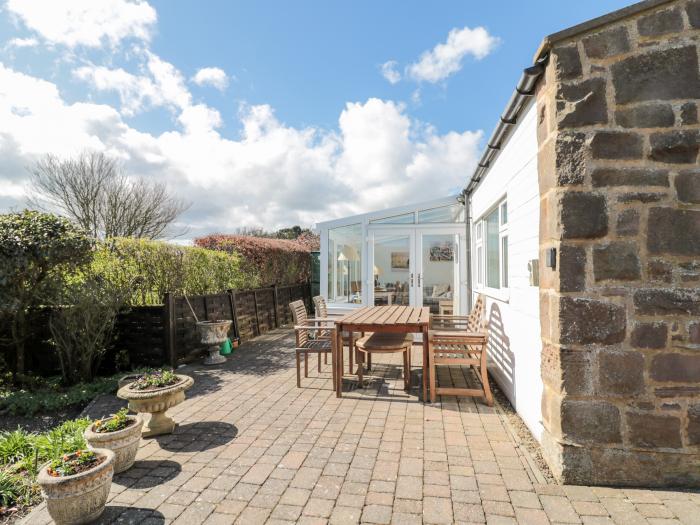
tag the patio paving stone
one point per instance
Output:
(252, 448)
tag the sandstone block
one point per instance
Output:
(628, 223)
(654, 431)
(616, 261)
(660, 23)
(673, 231)
(567, 62)
(594, 421)
(692, 9)
(570, 158)
(582, 104)
(616, 145)
(676, 368)
(572, 268)
(689, 114)
(649, 116)
(694, 425)
(688, 186)
(649, 335)
(658, 75)
(607, 43)
(667, 301)
(588, 321)
(583, 215)
(620, 373)
(629, 177)
(675, 147)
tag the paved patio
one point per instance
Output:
(252, 448)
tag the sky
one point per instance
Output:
(267, 113)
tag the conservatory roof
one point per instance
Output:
(389, 212)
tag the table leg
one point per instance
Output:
(338, 364)
(351, 351)
(425, 364)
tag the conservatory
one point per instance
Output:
(410, 255)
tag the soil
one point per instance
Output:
(129, 422)
(154, 388)
(82, 467)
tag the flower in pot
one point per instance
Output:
(76, 485)
(121, 434)
(155, 392)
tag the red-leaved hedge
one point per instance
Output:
(264, 261)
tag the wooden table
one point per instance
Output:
(393, 319)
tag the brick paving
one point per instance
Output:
(252, 448)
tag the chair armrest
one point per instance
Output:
(306, 328)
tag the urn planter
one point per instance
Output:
(157, 401)
(124, 443)
(214, 333)
(79, 498)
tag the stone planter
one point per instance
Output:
(213, 334)
(124, 443)
(80, 498)
(156, 402)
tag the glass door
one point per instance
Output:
(438, 282)
(392, 267)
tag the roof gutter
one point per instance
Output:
(523, 91)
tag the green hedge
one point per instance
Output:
(159, 267)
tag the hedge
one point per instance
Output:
(158, 267)
(264, 261)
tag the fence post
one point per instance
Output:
(232, 304)
(275, 299)
(169, 329)
(257, 317)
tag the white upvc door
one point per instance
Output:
(440, 270)
(392, 267)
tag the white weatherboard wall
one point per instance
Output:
(515, 346)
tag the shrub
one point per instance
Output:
(22, 453)
(157, 267)
(264, 261)
(36, 251)
(82, 329)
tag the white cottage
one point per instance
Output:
(581, 227)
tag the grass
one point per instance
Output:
(23, 453)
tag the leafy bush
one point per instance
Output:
(158, 267)
(117, 422)
(37, 250)
(264, 261)
(22, 453)
(155, 379)
(83, 327)
(51, 396)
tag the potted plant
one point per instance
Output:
(121, 434)
(155, 392)
(76, 486)
(214, 333)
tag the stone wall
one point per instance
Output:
(620, 201)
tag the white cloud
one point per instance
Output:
(211, 76)
(390, 73)
(446, 58)
(88, 23)
(22, 42)
(272, 175)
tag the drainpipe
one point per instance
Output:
(464, 198)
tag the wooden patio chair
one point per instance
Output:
(313, 336)
(460, 340)
(321, 308)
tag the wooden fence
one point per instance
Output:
(166, 334)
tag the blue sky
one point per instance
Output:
(292, 122)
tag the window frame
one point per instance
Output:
(480, 256)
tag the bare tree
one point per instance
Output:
(93, 190)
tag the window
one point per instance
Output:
(345, 264)
(406, 218)
(491, 248)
